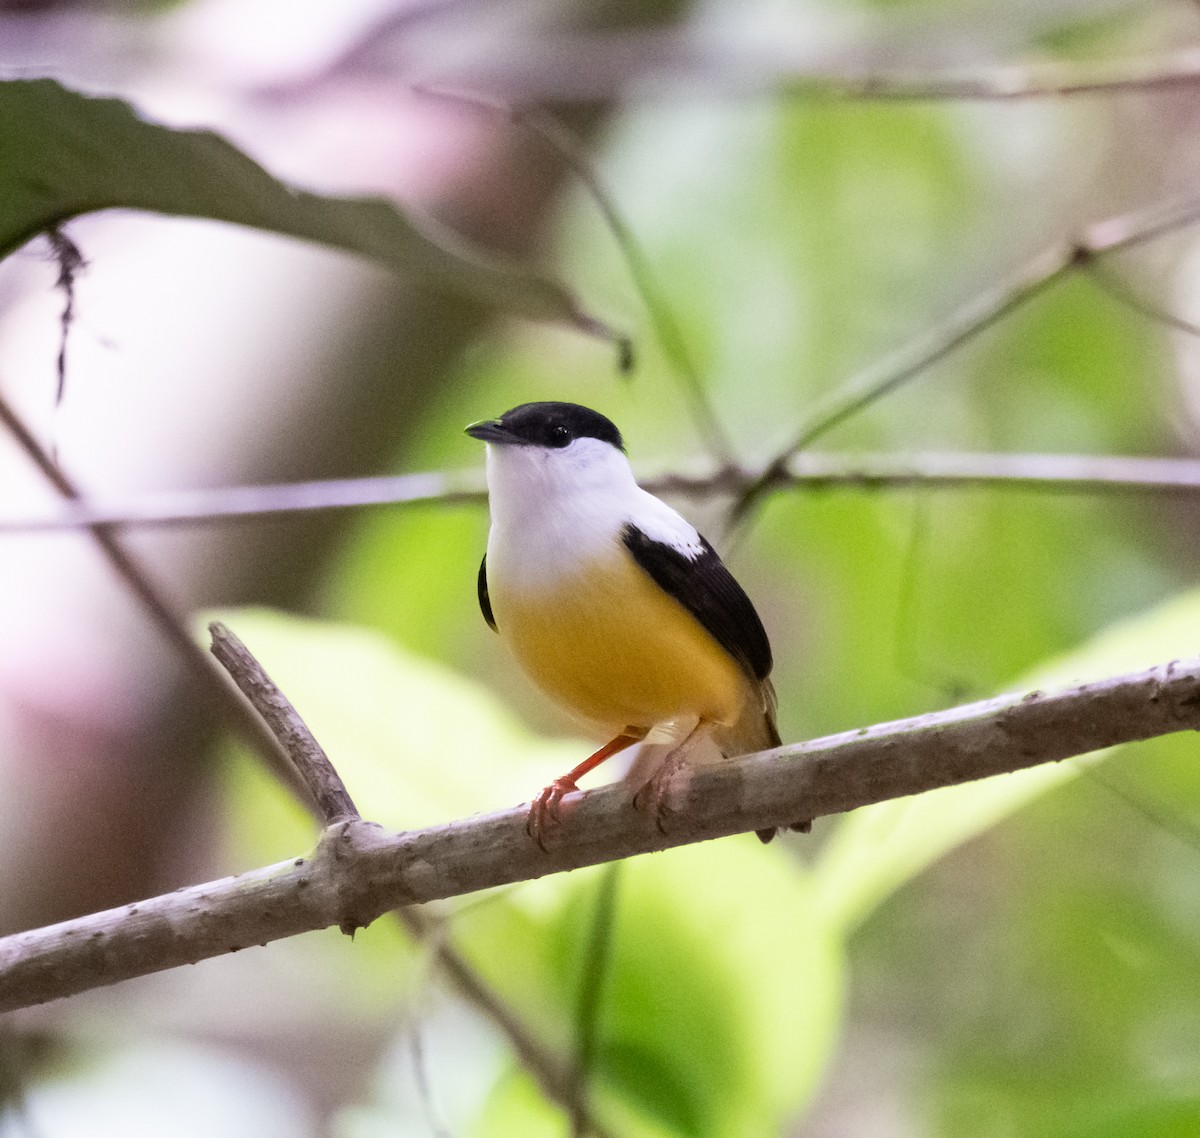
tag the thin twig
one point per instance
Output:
(1044, 473)
(1003, 82)
(1050, 473)
(416, 1046)
(14, 1077)
(359, 871)
(556, 1078)
(1160, 816)
(70, 263)
(234, 503)
(1123, 294)
(981, 312)
(329, 793)
(586, 66)
(460, 973)
(907, 658)
(420, 1067)
(1105, 237)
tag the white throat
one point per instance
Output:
(555, 511)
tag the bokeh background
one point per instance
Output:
(1018, 958)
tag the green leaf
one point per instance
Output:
(1160, 1119)
(516, 1109)
(874, 851)
(63, 154)
(723, 974)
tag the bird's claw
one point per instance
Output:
(655, 795)
(545, 813)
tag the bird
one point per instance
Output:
(615, 605)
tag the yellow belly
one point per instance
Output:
(612, 647)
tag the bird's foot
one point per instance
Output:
(545, 813)
(667, 784)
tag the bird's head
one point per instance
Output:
(551, 449)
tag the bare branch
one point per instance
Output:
(663, 61)
(333, 802)
(1052, 473)
(556, 1077)
(1002, 82)
(70, 263)
(1046, 473)
(234, 503)
(359, 871)
(329, 793)
(979, 313)
(1105, 237)
(1125, 295)
(597, 964)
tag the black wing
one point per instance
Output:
(708, 591)
(485, 602)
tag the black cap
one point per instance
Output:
(547, 425)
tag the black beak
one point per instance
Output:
(491, 431)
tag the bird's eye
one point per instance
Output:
(560, 436)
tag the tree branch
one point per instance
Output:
(594, 65)
(558, 1080)
(934, 470)
(1052, 264)
(359, 871)
(329, 793)
(248, 503)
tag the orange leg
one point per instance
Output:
(544, 813)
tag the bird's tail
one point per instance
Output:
(755, 730)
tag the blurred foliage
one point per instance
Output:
(130, 1090)
(63, 154)
(1031, 942)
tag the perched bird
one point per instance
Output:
(614, 604)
